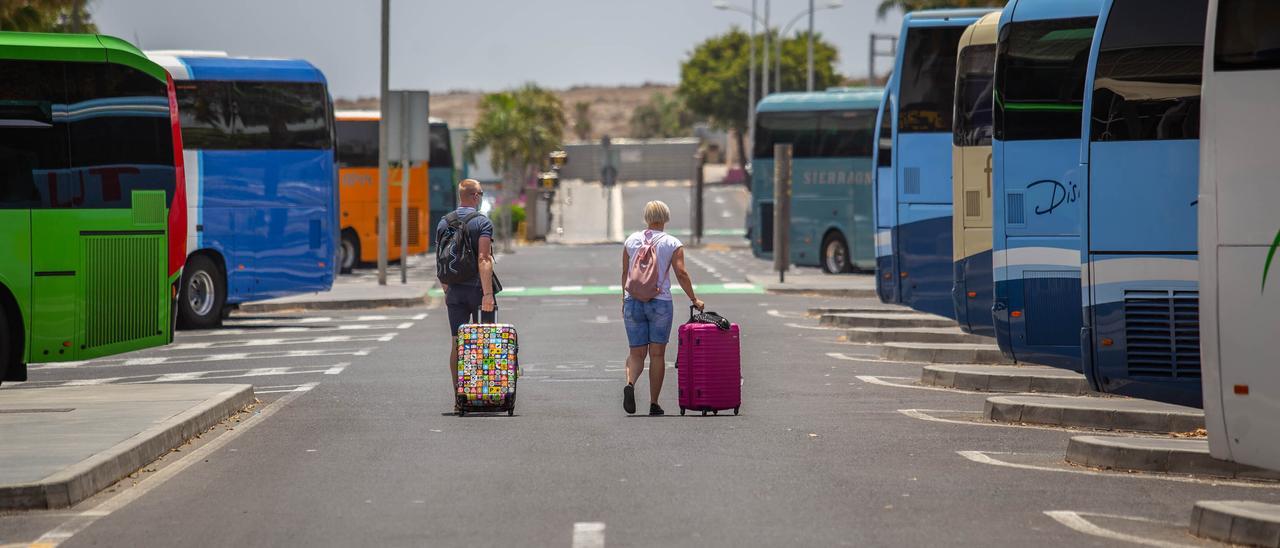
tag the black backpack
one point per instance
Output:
(455, 257)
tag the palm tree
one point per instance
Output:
(519, 129)
(913, 5)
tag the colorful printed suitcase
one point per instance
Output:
(709, 367)
(487, 368)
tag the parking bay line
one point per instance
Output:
(984, 457)
(1077, 522)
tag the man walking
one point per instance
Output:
(464, 265)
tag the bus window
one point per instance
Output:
(845, 134)
(928, 80)
(1247, 37)
(441, 150)
(120, 135)
(884, 158)
(1147, 83)
(1041, 75)
(795, 128)
(202, 111)
(30, 138)
(974, 80)
(280, 115)
(358, 143)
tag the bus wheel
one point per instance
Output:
(348, 252)
(6, 351)
(203, 294)
(835, 254)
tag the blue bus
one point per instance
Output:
(832, 136)
(1041, 59)
(1141, 150)
(261, 181)
(913, 169)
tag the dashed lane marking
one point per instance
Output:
(83, 520)
(268, 320)
(239, 356)
(589, 290)
(588, 534)
(984, 457)
(386, 337)
(292, 329)
(1076, 521)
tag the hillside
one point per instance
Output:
(610, 106)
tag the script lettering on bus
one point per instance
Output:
(350, 179)
(1060, 194)
(836, 177)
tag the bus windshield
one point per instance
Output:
(1040, 79)
(827, 134)
(974, 80)
(928, 80)
(357, 143)
(441, 150)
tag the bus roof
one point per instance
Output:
(832, 99)
(373, 116)
(217, 66)
(935, 16)
(38, 46)
(983, 31)
(1037, 10)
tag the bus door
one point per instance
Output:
(886, 204)
(1143, 152)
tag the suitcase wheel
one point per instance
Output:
(735, 411)
(511, 412)
(716, 412)
(704, 413)
(681, 411)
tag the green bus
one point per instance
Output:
(92, 200)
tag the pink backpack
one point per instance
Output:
(644, 275)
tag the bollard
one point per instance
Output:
(781, 208)
(696, 222)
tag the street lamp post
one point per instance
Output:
(830, 5)
(751, 70)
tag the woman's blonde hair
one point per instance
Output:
(657, 212)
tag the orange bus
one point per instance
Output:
(358, 194)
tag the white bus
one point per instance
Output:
(1239, 205)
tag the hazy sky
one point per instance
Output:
(442, 45)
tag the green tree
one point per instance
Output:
(661, 117)
(582, 120)
(913, 5)
(714, 79)
(45, 16)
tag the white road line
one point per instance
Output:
(984, 457)
(880, 380)
(266, 371)
(336, 370)
(1076, 521)
(91, 382)
(143, 361)
(615, 288)
(566, 288)
(786, 315)
(405, 325)
(84, 519)
(342, 327)
(580, 380)
(923, 414)
(179, 377)
(739, 286)
(588, 534)
(190, 346)
(814, 327)
(282, 341)
(422, 316)
(371, 318)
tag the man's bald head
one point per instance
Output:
(469, 193)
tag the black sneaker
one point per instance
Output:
(655, 411)
(629, 399)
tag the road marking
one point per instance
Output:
(282, 341)
(874, 379)
(83, 520)
(814, 327)
(559, 288)
(179, 377)
(786, 315)
(588, 534)
(923, 414)
(580, 380)
(92, 382)
(144, 361)
(1076, 521)
(984, 457)
(336, 370)
(590, 290)
(516, 289)
(238, 356)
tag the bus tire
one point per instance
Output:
(203, 294)
(348, 251)
(11, 366)
(835, 254)
(6, 353)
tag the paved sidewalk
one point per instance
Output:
(831, 285)
(63, 445)
(360, 289)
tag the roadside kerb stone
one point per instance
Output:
(1164, 455)
(875, 335)
(1094, 412)
(884, 320)
(943, 353)
(87, 477)
(1005, 378)
(1241, 522)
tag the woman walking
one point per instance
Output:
(647, 311)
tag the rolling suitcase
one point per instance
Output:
(708, 364)
(487, 368)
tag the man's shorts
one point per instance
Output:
(463, 302)
(647, 323)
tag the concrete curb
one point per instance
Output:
(1004, 378)
(884, 320)
(1241, 522)
(874, 335)
(943, 353)
(87, 477)
(1089, 412)
(1163, 455)
(351, 304)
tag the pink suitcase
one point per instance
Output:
(709, 366)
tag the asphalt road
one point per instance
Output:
(823, 453)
